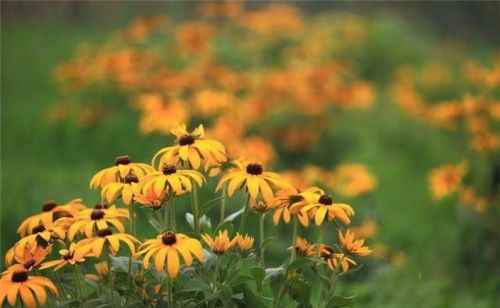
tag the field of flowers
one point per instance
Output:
(232, 155)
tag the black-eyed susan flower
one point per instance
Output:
(51, 211)
(127, 188)
(322, 206)
(255, 179)
(192, 149)
(220, 243)
(303, 248)
(215, 168)
(243, 242)
(165, 249)
(172, 180)
(123, 167)
(111, 240)
(87, 221)
(353, 246)
(15, 283)
(75, 254)
(30, 257)
(447, 179)
(40, 236)
(288, 202)
(150, 199)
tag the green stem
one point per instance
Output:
(132, 230)
(294, 237)
(321, 236)
(111, 280)
(171, 209)
(244, 217)
(78, 288)
(170, 288)
(194, 204)
(165, 214)
(223, 203)
(262, 237)
(61, 286)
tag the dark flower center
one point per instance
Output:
(97, 214)
(29, 264)
(104, 232)
(169, 238)
(38, 229)
(326, 252)
(57, 215)
(325, 200)
(169, 169)
(100, 206)
(122, 160)
(186, 139)
(19, 277)
(131, 179)
(254, 168)
(295, 198)
(68, 256)
(48, 206)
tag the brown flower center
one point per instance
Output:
(186, 139)
(100, 206)
(122, 160)
(104, 232)
(254, 168)
(326, 251)
(38, 229)
(169, 169)
(97, 214)
(131, 179)
(169, 238)
(29, 264)
(19, 276)
(325, 200)
(68, 256)
(48, 206)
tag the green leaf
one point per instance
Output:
(209, 205)
(258, 274)
(340, 301)
(251, 299)
(158, 227)
(234, 215)
(268, 241)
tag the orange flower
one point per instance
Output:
(447, 179)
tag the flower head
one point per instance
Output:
(353, 246)
(127, 188)
(110, 239)
(255, 179)
(447, 179)
(30, 257)
(75, 254)
(220, 243)
(244, 242)
(167, 247)
(16, 283)
(117, 173)
(289, 201)
(303, 248)
(192, 148)
(322, 206)
(90, 220)
(171, 180)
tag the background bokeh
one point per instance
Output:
(431, 254)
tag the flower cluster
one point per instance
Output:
(179, 265)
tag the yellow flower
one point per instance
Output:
(112, 240)
(51, 211)
(192, 148)
(102, 271)
(87, 221)
(123, 167)
(171, 180)
(76, 254)
(244, 242)
(291, 198)
(303, 247)
(166, 249)
(219, 244)
(127, 188)
(41, 236)
(333, 259)
(15, 282)
(352, 180)
(447, 179)
(30, 257)
(322, 206)
(353, 246)
(150, 199)
(215, 168)
(255, 179)
(261, 206)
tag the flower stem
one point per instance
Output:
(244, 217)
(170, 288)
(321, 236)
(171, 210)
(165, 214)
(294, 237)
(262, 237)
(223, 203)
(78, 288)
(194, 204)
(111, 281)
(61, 286)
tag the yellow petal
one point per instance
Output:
(173, 262)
